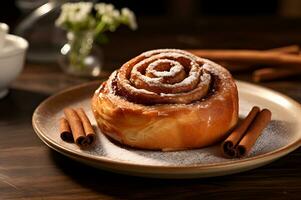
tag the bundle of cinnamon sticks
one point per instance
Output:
(241, 140)
(267, 64)
(76, 127)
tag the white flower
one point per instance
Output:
(83, 10)
(103, 8)
(129, 18)
(107, 19)
(63, 17)
(78, 16)
(74, 13)
(108, 13)
(116, 14)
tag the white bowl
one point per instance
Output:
(12, 56)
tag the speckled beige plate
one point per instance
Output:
(282, 136)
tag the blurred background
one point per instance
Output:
(185, 24)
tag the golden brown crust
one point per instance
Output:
(169, 126)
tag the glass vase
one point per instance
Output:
(80, 56)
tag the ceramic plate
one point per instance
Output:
(282, 136)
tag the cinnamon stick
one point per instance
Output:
(89, 131)
(267, 74)
(229, 145)
(252, 57)
(237, 66)
(289, 57)
(76, 128)
(254, 131)
(65, 131)
(291, 49)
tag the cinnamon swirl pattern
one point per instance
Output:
(164, 76)
(167, 99)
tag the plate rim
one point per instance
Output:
(120, 163)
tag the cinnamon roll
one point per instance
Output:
(167, 99)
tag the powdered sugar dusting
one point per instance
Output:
(176, 67)
(153, 61)
(170, 52)
(206, 78)
(274, 136)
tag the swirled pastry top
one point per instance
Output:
(166, 76)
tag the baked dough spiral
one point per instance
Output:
(167, 99)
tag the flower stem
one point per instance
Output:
(100, 28)
(80, 46)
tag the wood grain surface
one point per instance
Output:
(30, 170)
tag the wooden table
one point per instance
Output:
(30, 170)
